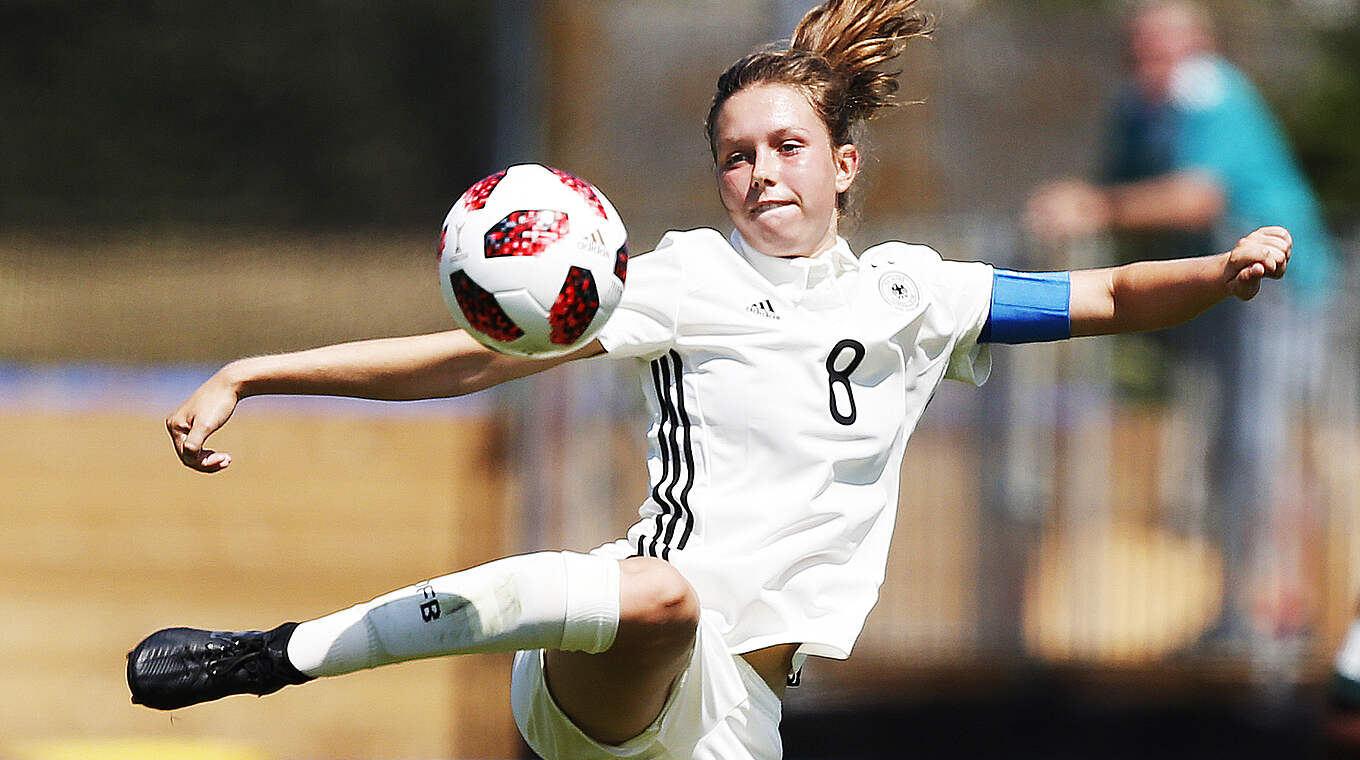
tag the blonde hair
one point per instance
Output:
(836, 58)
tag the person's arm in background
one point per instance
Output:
(1067, 209)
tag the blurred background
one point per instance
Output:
(183, 183)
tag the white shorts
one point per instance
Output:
(719, 709)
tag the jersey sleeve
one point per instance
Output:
(966, 290)
(959, 298)
(646, 319)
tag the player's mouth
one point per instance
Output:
(765, 206)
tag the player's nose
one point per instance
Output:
(764, 171)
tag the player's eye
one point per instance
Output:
(733, 160)
(790, 147)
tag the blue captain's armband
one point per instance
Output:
(1028, 307)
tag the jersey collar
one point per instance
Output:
(801, 273)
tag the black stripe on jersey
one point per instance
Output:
(677, 459)
(664, 407)
(687, 458)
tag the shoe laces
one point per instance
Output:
(223, 655)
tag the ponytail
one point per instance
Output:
(856, 38)
(836, 57)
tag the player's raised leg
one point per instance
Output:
(640, 612)
(531, 601)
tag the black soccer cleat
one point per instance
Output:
(178, 667)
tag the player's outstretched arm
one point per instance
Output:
(438, 365)
(1150, 295)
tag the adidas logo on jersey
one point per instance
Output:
(763, 309)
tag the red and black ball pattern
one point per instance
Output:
(484, 314)
(574, 308)
(526, 233)
(475, 197)
(621, 263)
(583, 189)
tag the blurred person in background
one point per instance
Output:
(1194, 157)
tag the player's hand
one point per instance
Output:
(1263, 253)
(200, 416)
(1067, 209)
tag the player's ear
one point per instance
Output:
(847, 160)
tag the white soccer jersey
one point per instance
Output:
(783, 392)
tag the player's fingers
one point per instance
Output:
(1275, 237)
(1262, 253)
(1277, 259)
(1255, 271)
(1248, 274)
(1283, 266)
(1266, 257)
(207, 461)
(1265, 235)
(178, 428)
(193, 440)
(1245, 286)
(212, 461)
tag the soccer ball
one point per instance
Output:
(532, 261)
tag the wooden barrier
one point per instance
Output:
(107, 538)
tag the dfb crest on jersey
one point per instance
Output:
(899, 291)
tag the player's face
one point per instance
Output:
(778, 173)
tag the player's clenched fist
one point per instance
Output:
(1263, 253)
(198, 417)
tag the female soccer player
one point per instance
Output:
(784, 375)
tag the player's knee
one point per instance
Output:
(658, 608)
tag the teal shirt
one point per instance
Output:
(1216, 122)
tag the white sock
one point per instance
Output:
(548, 600)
